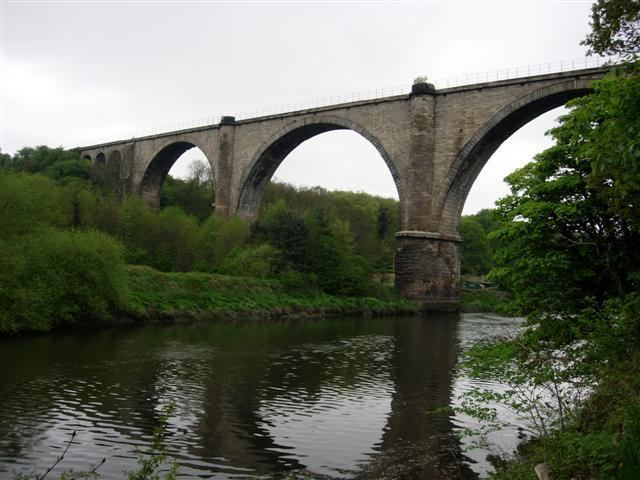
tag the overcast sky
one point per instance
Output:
(76, 72)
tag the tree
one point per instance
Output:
(476, 253)
(5, 160)
(29, 203)
(287, 232)
(573, 229)
(615, 28)
(193, 195)
(568, 250)
(201, 174)
(324, 256)
(37, 159)
(218, 238)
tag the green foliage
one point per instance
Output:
(309, 246)
(177, 241)
(491, 222)
(581, 398)
(545, 384)
(601, 444)
(572, 214)
(372, 221)
(259, 261)
(604, 131)
(28, 203)
(568, 252)
(54, 278)
(43, 158)
(478, 244)
(484, 300)
(137, 227)
(287, 232)
(323, 255)
(615, 26)
(353, 277)
(193, 295)
(476, 252)
(191, 196)
(6, 160)
(320, 240)
(152, 463)
(218, 238)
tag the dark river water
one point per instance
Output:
(329, 398)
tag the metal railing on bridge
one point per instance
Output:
(374, 94)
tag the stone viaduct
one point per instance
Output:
(434, 142)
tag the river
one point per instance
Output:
(327, 398)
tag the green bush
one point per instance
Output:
(28, 203)
(254, 261)
(177, 241)
(53, 278)
(218, 238)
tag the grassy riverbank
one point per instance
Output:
(484, 300)
(158, 295)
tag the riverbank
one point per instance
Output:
(484, 300)
(602, 441)
(193, 296)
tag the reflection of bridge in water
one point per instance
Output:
(250, 399)
(434, 142)
(262, 417)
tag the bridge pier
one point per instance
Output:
(427, 267)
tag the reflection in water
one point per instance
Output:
(346, 405)
(342, 398)
(475, 328)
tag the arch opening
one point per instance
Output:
(308, 167)
(515, 152)
(179, 175)
(114, 163)
(337, 176)
(485, 142)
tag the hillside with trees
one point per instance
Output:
(52, 201)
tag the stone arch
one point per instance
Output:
(101, 159)
(86, 157)
(114, 162)
(158, 168)
(485, 141)
(271, 153)
(112, 170)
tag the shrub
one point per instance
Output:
(254, 261)
(28, 203)
(218, 238)
(54, 278)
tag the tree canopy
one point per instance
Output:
(615, 28)
(572, 221)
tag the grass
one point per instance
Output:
(194, 295)
(484, 300)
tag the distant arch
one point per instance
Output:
(112, 170)
(476, 152)
(86, 157)
(271, 154)
(158, 169)
(101, 159)
(114, 163)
